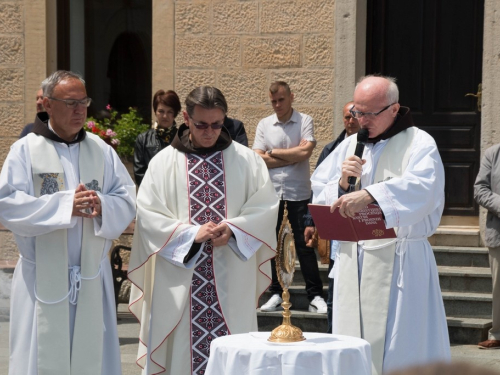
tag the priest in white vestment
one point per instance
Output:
(65, 195)
(204, 235)
(388, 292)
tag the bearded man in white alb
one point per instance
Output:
(65, 195)
(204, 235)
(387, 291)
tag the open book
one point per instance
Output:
(367, 224)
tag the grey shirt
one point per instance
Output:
(292, 181)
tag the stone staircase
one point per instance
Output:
(465, 279)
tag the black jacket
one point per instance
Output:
(147, 145)
(236, 130)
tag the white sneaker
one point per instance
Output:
(318, 305)
(273, 304)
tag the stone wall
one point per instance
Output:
(12, 73)
(241, 47)
(12, 86)
(23, 64)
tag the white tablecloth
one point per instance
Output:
(320, 354)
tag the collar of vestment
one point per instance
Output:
(403, 121)
(41, 127)
(291, 119)
(182, 142)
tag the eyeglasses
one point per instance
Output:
(73, 103)
(214, 126)
(359, 114)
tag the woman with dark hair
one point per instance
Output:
(166, 106)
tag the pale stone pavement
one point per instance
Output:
(128, 330)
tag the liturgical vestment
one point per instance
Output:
(29, 216)
(185, 301)
(415, 326)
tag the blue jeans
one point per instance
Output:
(306, 255)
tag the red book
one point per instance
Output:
(367, 224)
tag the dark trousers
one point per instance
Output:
(306, 255)
(329, 301)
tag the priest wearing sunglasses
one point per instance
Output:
(203, 240)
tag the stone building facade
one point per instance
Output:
(240, 46)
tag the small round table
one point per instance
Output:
(320, 354)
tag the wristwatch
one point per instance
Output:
(269, 152)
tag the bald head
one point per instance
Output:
(376, 102)
(379, 86)
(351, 125)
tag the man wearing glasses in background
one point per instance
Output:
(387, 291)
(285, 141)
(203, 237)
(66, 196)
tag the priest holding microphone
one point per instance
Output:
(387, 291)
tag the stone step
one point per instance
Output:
(306, 321)
(465, 279)
(7, 266)
(298, 296)
(454, 235)
(461, 256)
(467, 304)
(468, 330)
(298, 277)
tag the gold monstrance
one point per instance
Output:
(285, 266)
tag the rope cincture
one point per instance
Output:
(75, 280)
(401, 251)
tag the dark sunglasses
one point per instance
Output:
(215, 126)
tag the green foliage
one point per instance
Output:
(119, 131)
(127, 128)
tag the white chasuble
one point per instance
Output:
(55, 290)
(181, 306)
(365, 300)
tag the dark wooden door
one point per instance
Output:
(434, 49)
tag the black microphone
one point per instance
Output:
(360, 146)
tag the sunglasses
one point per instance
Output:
(202, 126)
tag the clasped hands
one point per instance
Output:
(220, 234)
(351, 203)
(86, 203)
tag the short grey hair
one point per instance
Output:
(392, 94)
(50, 83)
(207, 97)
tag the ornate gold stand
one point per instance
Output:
(286, 332)
(285, 267)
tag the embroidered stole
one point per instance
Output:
(364, 303)
(52, 285)
(207, 202)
